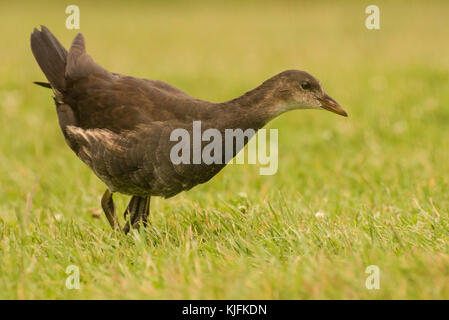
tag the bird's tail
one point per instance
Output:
(51, 57)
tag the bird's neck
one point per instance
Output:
(253, 109)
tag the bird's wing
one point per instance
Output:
(106, 100)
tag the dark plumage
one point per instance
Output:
(120, 126)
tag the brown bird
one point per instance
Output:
(121, 126)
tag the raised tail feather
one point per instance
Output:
(50, 55)
(58, 64)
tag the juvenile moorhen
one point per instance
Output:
(120, 125)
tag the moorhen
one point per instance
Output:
(121, 126)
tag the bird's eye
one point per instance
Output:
(306, 85)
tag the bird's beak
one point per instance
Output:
(330, 104)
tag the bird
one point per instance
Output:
(120, 126)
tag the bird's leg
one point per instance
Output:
(144, 213)
(145, 216)
(107, 203)
(138, 210)
(130, 211)
(132, 206)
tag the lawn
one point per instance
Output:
(370, 189)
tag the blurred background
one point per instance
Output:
(390, 157)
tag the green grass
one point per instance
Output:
(380, 176)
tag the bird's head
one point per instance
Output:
(296, 89)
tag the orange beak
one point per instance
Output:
(330, 104)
